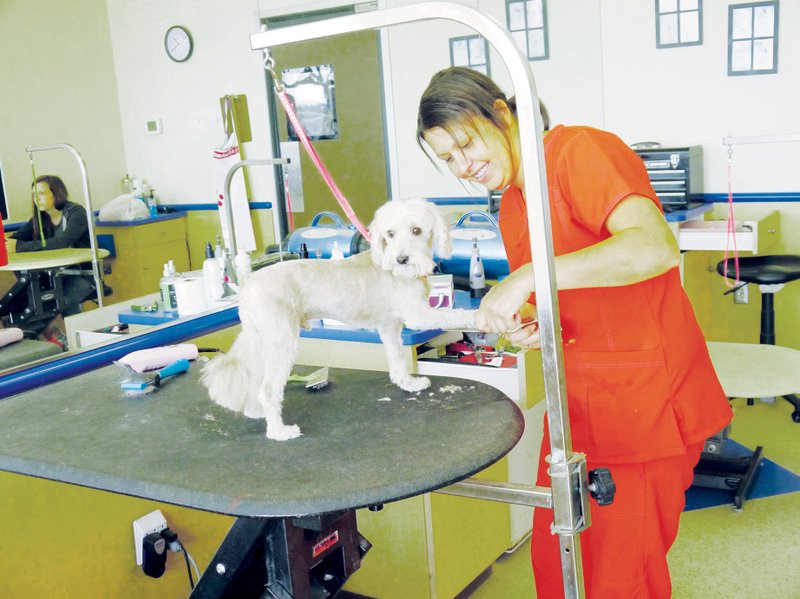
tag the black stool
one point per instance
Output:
(767, 270)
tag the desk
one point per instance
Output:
(176, 446)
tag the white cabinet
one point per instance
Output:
(755, 236)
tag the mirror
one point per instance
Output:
(80, 81)
(95, 77)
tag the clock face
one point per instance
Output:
(178, 43)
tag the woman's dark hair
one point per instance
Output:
(461, 94)
(60, 198)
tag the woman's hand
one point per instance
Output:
(527, 335)
(11, 245)
(499, 311)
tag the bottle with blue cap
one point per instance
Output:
(477, 277)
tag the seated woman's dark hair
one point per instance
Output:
(60, 198)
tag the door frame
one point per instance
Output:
(315, 11)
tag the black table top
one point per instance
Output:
(364, 442)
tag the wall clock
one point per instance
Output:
(178, 43)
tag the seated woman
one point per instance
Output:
(56, 223)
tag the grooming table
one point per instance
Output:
(37, 294)
(22, 261)
(745, 370)
(365, 443)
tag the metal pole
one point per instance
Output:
(760, 139)
(227, 192)
(515, 493)
(98, 281)
(569, 488)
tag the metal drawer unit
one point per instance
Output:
(676, 175)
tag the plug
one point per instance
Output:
(154, 558)
(172, 540)
(154, 522)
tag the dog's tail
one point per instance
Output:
(232, 379)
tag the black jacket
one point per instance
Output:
(71, 232)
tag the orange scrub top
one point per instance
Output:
(640, 384)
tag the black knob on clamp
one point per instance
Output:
(601, 486)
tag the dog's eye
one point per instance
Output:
(416, 231)
(390, 234)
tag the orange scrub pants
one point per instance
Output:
(625, 549)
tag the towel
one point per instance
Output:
(10, 336)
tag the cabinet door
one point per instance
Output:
(151, 264)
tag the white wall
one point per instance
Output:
(185, 96)
(605, 71)
(58, 86)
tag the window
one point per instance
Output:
(753, 38)
(679, 23)
(470, 51)
(527, 22)
(311, 90)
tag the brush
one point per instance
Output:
(314, 380)
(138, 383)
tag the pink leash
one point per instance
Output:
(312, 153)
(731, 234)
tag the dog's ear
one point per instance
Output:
(442, 242)
(377, 244)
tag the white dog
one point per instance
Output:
(383, 289)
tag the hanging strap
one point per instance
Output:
(731, 232)
(36, 202)
(280, 91)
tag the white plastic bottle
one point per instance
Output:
(477, 278)
(219, 254)
(336, 252)
(169, 301)
(243, 265)
(212, 276)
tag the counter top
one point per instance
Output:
(318, 329)
(679, 216)
(162, 216)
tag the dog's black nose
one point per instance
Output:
(402, 259)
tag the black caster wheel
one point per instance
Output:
(796, 416)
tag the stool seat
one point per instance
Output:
(763, 270)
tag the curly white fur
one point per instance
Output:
(384, 290)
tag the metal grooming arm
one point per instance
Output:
(98, 280)
(568, 496)
(227, 192)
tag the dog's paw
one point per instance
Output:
(414, 383)
(283, 432)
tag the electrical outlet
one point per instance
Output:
(740, 295)
(152, 522)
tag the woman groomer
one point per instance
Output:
(61, 224)
(641, 389)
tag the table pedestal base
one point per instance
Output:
(286, 558)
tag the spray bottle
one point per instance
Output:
(212, 276)
(477, 278)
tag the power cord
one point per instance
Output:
(175, 545)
